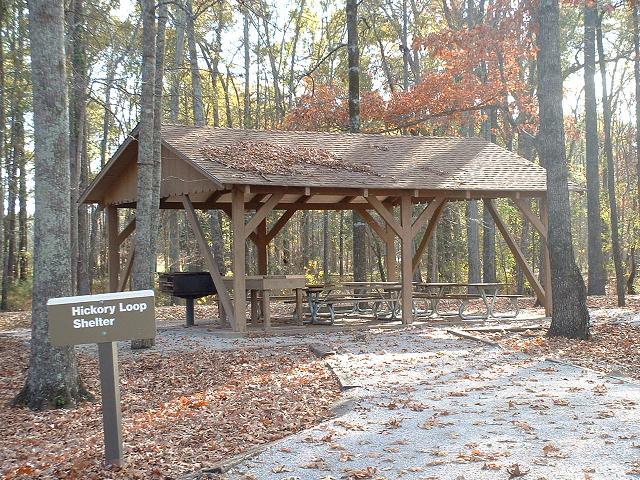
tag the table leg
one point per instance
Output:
(254, 307)
(266, 311)
(299, 311)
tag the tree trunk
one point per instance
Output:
(3, 149)
(473, 242)
(636, 74)
(146, 207)
(570, 314)
(358, 224)
(17, 154)
(178, 61)
(196, 80)
(488, 225)
(52, 380)
(247, 70)
(610, 171)
(597, 278)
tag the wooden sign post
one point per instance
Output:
(104, 319)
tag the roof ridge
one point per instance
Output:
(322, 132)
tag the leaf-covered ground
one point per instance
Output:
(441, 408)
(182, 411)
(613, 348)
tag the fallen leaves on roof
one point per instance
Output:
(267, 158)
(182, 411)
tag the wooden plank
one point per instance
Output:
(114, 248)
(548, 305)
(385, 213)
(261, 247)
(406, 238)
(282, 221)
(515, 249)
(390, 257)
(128, 266)
(262, 213)
(524, 207)
(431, 228)
(205, 251)
(426, 215)
(266, 311)
(375, 226)
(128, 230)
(238, 256)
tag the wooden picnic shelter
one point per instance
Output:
(250, 173)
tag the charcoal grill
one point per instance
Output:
(187, 285)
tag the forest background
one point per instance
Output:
(450, 67)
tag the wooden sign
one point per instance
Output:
(107, 317)
(104, 319)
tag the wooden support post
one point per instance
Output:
(266, 310)
(114, 248)
(537, 223)
(548, 304)
(299, 306)
(261, 213)
(375, 226)
(128, 230)
(212, 265)
(286, 216)
(427, 214)
(254, 307)
(238, 265)
(128, 266)
(390, 258)
(515, 249)
(261, 247)
(384, 212)
(431, 228)
(406, 238)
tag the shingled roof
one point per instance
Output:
(200, 160)
(394, 162)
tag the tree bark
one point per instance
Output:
(473, 242)
(247, 70)
(597, 278)
(570, 314)
(146, 206)
(488, 225)
(636, 73)
(196, 80)
(358, 224)
(3, 122)
(610, 171)
(52, 380)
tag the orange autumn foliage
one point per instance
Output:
(470, 69)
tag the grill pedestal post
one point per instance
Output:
(190, 312)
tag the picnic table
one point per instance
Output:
(260, 288)
(488, 292)
(383, 296)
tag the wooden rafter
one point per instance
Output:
(431, 228)
(128, 230)
(426, 215)
(128, 266)
(205, 251)
(515, 249)
(375, 226)
(525, 208)
(286, 216)
(384, 212)
(262, 213)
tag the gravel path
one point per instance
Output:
(433, 406)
